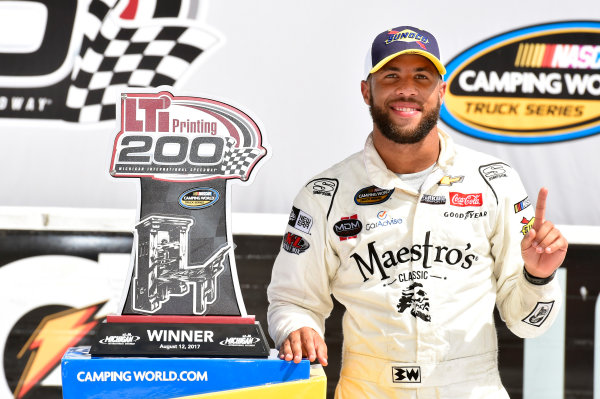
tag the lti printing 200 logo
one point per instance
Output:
(537, 84)
(184, 139)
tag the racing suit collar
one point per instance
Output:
(382, 177)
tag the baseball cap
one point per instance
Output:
(403, 40)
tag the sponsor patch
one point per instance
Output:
(294, 244)
(433, 199)
(406, 35)
(494, 171)
(244, 340)
(426, 253)
(372, 195)
(198, 198)
(384, 220)
(348, 227)
(124, 339)
(460, 199)
(539, 315)
(300, 220)
(528, 224)
(406, 374)
(465, 215)
(536, 84)
(519, 206)
(450, 180)
(324, 187)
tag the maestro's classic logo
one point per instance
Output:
(536, 84)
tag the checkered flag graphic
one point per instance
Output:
(236, 161)
(117, 53)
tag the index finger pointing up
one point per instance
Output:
(540, 208)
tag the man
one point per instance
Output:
(418, 238)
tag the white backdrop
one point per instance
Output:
(297, 66)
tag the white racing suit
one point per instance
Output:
(418, 272)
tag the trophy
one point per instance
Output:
(182, 296)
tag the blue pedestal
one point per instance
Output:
(84, 376)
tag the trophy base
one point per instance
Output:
(176, 336)
(87, 377)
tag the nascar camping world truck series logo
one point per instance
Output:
(532, 85)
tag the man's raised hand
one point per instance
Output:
(544, 247)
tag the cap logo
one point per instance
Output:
(406, 35)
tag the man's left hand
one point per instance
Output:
(544, 247)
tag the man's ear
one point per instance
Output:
(442, 89)
(366, 91)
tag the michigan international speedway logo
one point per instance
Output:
(536, 84)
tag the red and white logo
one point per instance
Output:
(460, 199)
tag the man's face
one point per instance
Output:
(404, 97)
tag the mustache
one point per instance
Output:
(405, 100)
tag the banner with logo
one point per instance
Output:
(533, 85)
(522, 85)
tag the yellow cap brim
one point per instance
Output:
(437, 63)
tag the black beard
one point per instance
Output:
(401, 135)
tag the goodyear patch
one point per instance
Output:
(372, 195)
(536, 84)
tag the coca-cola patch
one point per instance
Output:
(460, 199)
(294, 244)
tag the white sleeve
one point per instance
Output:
(299, 293)
(528, 309)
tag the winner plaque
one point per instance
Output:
(182, 296)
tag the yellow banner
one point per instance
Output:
(520, 115)
(315, 388)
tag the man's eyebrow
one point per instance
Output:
(390, 68)
(397, 69)
(423, 69)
